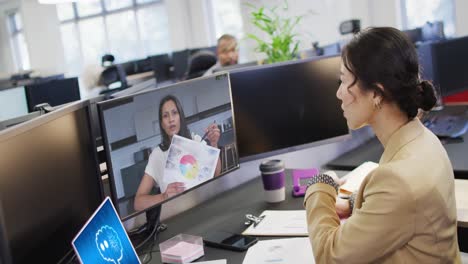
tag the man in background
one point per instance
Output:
(227, 52)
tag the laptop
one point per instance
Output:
(103, 239)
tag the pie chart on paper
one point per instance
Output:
(189, 167)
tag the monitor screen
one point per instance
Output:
(450, 64)
(55, 92)
(281, 106)
(161, 65)
(13, 103)
(49, 183)
(180, 60)
(136, 140)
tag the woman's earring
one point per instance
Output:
(377, 105)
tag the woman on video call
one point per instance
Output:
(404, 211)
(171, 122)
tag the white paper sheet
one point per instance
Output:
(189, 162)
(281, 251)
(357, 176)
(280, 223)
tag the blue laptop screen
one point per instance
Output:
(103, 239)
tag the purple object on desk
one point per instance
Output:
(299, 174)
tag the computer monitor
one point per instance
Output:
(18, 120)
(55, 92)
(49, 183)
(161, 66)
(331, 49)
(131, 131)
(13, 103)
(446, 64)
(180, 61)
(287, 106)
(5, 257)
(414, 35)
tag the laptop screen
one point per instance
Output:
(103, 238)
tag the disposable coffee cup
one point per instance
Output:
(273, 180)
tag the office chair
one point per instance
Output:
(199, 63)
(113, 74)
(107, 60)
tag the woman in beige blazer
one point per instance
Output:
(404, 211)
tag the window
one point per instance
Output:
(18, 42)
(417, 12)
(128, 29)
(227, 18)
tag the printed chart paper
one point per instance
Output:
(189, 162)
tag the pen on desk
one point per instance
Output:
(206, 133)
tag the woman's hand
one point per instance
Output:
(335, 177)
(213, 134)
(342, 207)
(173, 189)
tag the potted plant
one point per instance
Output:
(282, 44)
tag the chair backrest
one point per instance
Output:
(200, 62)
(113, 74)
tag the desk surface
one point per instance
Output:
(139, 77)
(372, 150)
(461, 196)
(226, 212)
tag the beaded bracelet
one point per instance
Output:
(324, 178)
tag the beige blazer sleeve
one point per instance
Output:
(383, 224)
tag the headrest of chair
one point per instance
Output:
(201, 61)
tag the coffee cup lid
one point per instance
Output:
(271, 165)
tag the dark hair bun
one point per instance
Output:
(428, 97)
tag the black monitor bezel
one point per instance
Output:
(435, 53)
(12, 132)
(296, 147)
(28, 89)
(102, 106)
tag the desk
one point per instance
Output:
(461, 195)
(139, 77)
(226, 212)
(372, 150)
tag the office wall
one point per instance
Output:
(384, 13)
(461, 19)
(6, 53)
(42, 33)
(189, 24)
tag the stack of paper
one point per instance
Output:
(356, 177)
(280, 251)
(280, 223)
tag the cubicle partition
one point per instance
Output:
(49, 183)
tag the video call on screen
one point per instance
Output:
(132, 131)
